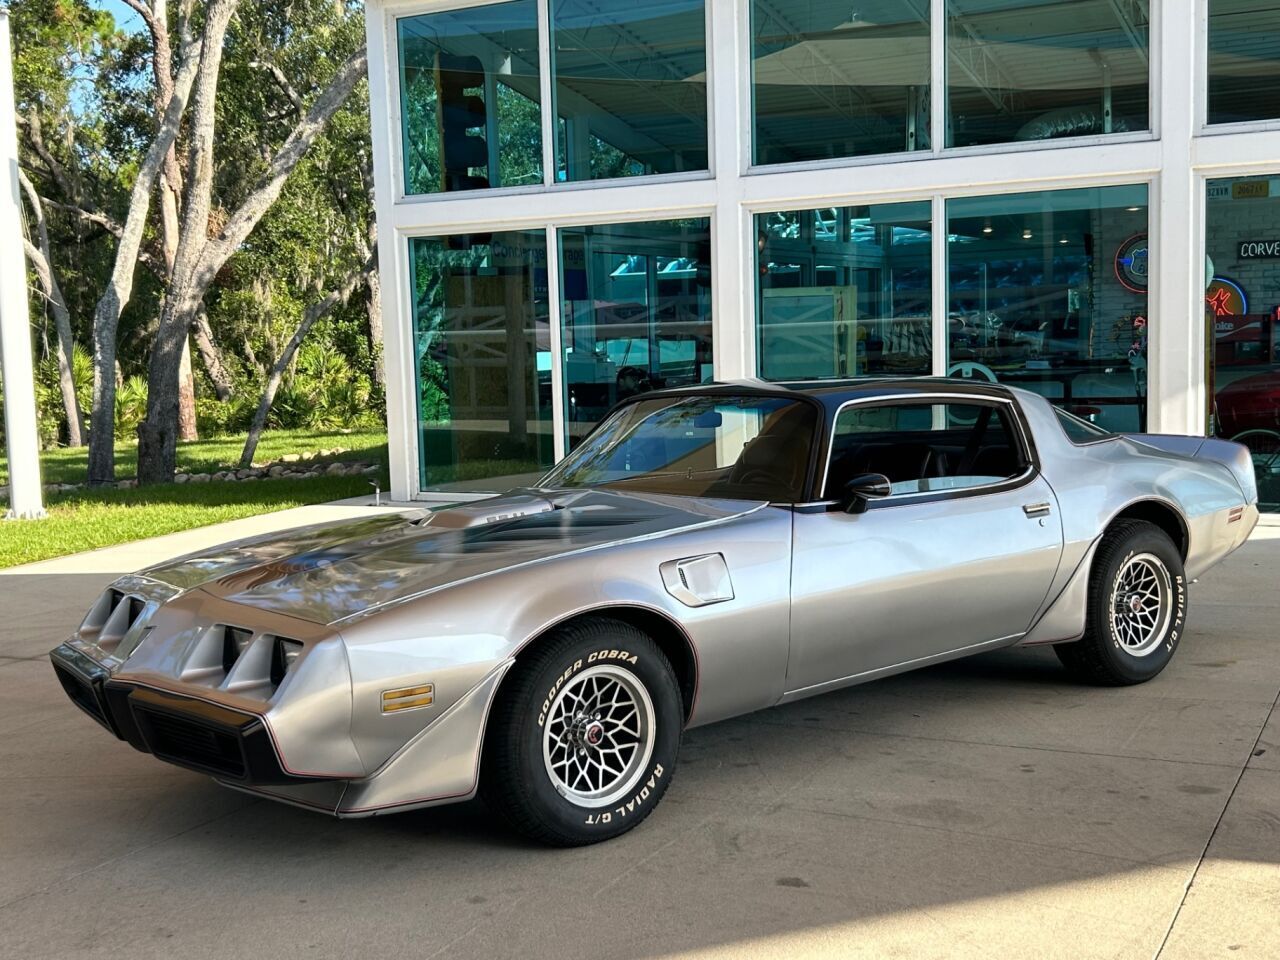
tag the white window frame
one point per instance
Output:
(1174, 160)
(1203, 127)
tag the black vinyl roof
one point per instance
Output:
(832, 393)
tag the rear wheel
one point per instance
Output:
(583, 739)
(1137, 608)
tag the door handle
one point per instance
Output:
(1041, 509)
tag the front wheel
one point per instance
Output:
(582, 741)
(1137, 608)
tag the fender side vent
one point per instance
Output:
(698, 581)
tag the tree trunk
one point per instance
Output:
(212, 358)
(187, 396)
(373, 303)
(199, 259)
(309, 317)
(106, 317)
(170, 191)
(42, 262)
(158, 433)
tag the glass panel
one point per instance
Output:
(1042, 69)
(738, 448)
(834, 79)
(630, 87)
(1047, 291)
(1242, 311)
(923, 447)
(844, 291)
(469, 85)
(1079, 430)
(1244, 60)
(482, 359)
(637, 313)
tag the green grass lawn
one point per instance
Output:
(219, 453)
(87, 519)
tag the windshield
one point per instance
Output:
(736, 448)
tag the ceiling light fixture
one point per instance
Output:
(1026, 234)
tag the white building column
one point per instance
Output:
(20, 433)
(393, 260)
(1176, 388)
(733, 245)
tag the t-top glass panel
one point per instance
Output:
(844, 291)
(630, 87)
(636, 314)
(1048, 291)
(1242, 313)
(482, 362)
(1022, 70)
(835, 79)
(469, 114)
(1244, 60)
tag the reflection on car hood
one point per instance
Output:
(329, 572)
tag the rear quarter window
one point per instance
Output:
(1079, 430)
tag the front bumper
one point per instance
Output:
(232, 745)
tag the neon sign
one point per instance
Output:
(1132, 263)
(1226, 298)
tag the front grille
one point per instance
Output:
(190, 743)
(81, 694)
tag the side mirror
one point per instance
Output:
(863, 488)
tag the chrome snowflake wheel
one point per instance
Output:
(598, 736)
(1141, 604)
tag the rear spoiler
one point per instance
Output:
(1234, 456)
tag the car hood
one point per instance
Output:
(329, 572)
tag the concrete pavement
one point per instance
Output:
(987, 808)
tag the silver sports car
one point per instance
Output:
(705, 552)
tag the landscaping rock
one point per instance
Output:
(291, 458)
(335, 470)
(372, 471)
(126, 484)
(200, 478)
(276, 471)
(181, 477)
(244, 474)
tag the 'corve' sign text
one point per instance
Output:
(1258, 250)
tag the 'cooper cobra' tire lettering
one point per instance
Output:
(583, 733)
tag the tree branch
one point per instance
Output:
(145, 12)
(111, 226)
(212, 357)
(260, 199)
(314, 312)
(35, 134)
(282, 82)
(42, 261)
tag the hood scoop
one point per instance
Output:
(482, 512)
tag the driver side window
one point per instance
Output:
(925, 447)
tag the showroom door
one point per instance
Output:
(949, 562)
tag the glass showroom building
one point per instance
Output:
(580, 200)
